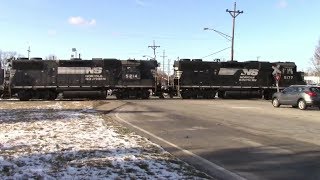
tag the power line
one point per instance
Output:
(216, 52)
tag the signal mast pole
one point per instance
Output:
(233, 14)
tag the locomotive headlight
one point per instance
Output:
(176, 68)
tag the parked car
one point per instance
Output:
(301, 96)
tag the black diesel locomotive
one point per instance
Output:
(45, 79)
(204, 79)
(134, 79)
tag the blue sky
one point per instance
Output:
(273, 30)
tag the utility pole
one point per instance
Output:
(29, 52)
(154, 47)
(233, 14)
(163, 56)
(169, 72)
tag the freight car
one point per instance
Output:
(204, 79)
(76, 78)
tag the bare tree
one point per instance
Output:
(51, 57)
(5, 55)
(315, 61)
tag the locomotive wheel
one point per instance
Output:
(221, 94)
(45, 95)
(132, 94)
(53, 95)
(24, 98)
(24, 95)
(122, 94)
(212, 95)
(119, 96)
(267, 95)
(145, 94)
(185, 95)
(194, 94)
(103, 95)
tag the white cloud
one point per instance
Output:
(282, 4)
(80, 21)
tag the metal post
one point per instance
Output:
(178, 88)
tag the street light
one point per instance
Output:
(220, 33)
(151, 58)
(233, 14)
(75, 52)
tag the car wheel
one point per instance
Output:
(302, 104)
(275, 102)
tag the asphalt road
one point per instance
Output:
(232, 139)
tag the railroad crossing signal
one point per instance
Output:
(277, 77)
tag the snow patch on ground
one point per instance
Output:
(69, 140)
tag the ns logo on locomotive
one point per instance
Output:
(39, 79)
(250, 72)
(79, 70)
(91, 73)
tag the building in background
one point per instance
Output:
(312, 79)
